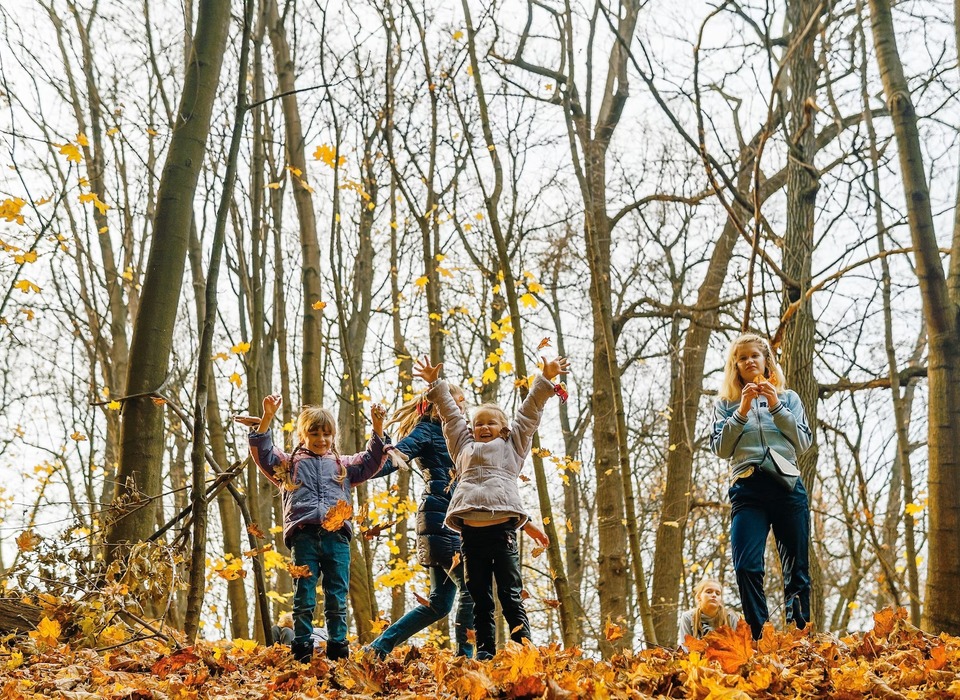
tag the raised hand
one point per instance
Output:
(271, 404)
(555, 367)
(427, 372)
(377, 415)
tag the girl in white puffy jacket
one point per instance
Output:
(486, 508)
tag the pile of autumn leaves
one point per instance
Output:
(894, 660)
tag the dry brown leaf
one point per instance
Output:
(255, 530)
(339, 514)
(28, 540)
(298, 571)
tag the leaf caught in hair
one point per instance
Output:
(339, 514)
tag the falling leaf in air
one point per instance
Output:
(340, 513)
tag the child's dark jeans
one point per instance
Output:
(759, 504)
(328, 556)
(491, 553)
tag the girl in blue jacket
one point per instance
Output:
(755, 413)
(315, 482)
(420, 434)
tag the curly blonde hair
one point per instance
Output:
(733, 383)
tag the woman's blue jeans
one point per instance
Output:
(443, 590)
(759, 504)
(328, 556)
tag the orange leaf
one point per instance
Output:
(885, 620)
(551, 602)
(694, 644)
(298, 571)
(545, 343)
(426, 602)
(28, 540)
(255, 530)
(168, 664)
(937, 660)
(340, 513)
(612, 632)
(732, 648)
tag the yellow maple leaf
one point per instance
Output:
(326, 154)
(421, 281)
(489, 375)
(112, 130)
(240, 348)
(457, 35)
(71, 152)
(319, 305)
(47, 632)
(114, 405)
(236, 380)
(339, 514)
(112, 635)
(28, 313)
(29, 257)
(528, 300)
(82, 140)
(78, 437)
(914, 508)
(273, 185)
(244, 646)
(296, 171)
(15, 660)
(26, 286)
(220, 356)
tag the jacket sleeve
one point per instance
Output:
(455, 429)
(527, 420)
(412, 446)
(364, 465)
(686, 628)
(791, 420)
(727, 428)
(265, 455)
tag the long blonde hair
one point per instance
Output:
(311, 418)
(732, 383)
(720, 617)
(413, 411)
(499, 412)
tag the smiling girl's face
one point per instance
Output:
(487, 425)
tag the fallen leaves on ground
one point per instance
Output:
(894, 660)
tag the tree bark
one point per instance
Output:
(311, 386)
(141, 439)
(941, 611)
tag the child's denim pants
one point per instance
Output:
(328, 556)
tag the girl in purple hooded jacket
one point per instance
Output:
(315, 483)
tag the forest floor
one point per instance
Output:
(894, 660)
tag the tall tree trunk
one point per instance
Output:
(799, 338)
(311, 387)
(941, 611)
(141, 450)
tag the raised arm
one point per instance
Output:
(527, 420)
(366, 464)
(456, 432)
